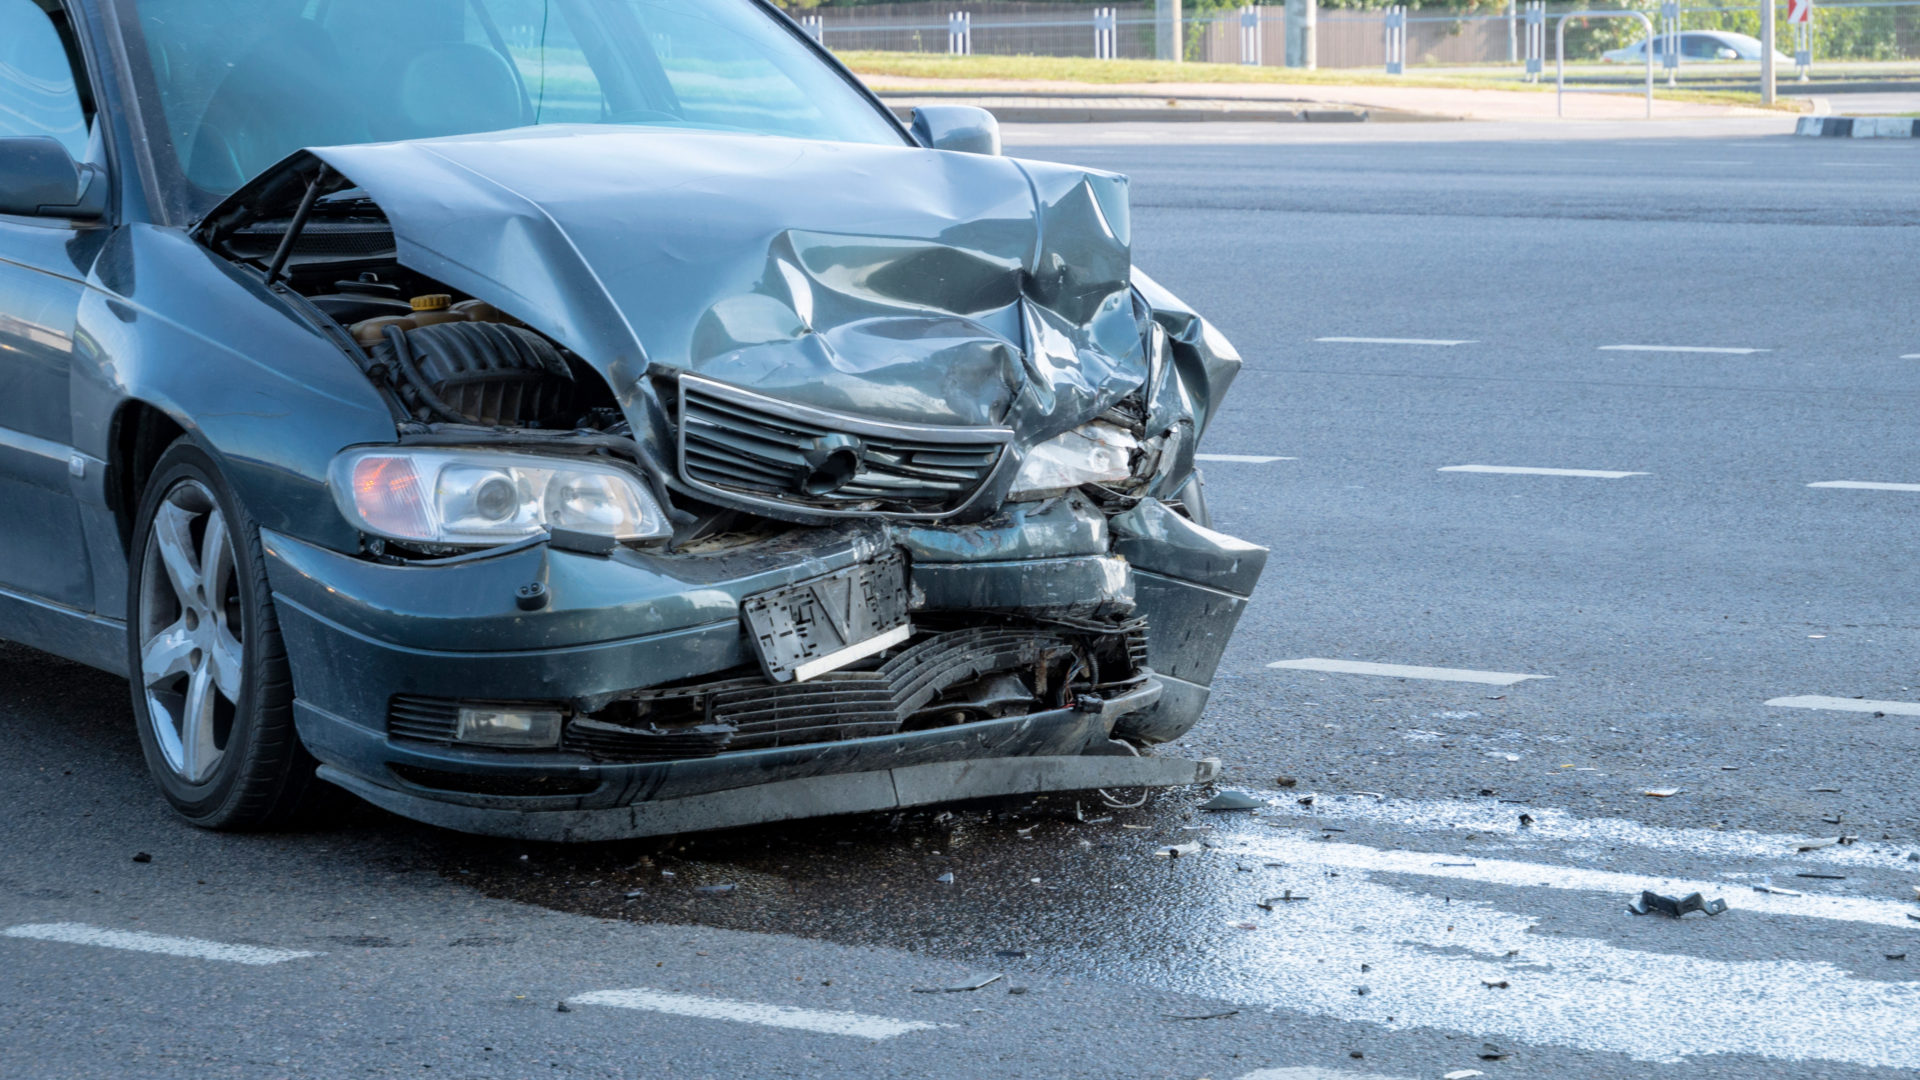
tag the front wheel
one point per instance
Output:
(211, 691)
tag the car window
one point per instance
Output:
(243, 83)
(1700, 46)
(38, 92)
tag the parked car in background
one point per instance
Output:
(584, 418)
(1696, 46)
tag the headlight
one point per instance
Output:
(1096, 453)
(468, 498)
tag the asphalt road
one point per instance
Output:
(1444, 864)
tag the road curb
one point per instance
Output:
(1859, 127)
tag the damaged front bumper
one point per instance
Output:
(1051, 641)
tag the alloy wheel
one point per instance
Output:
(191, 631)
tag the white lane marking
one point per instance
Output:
(1311, 1073)
(1403, 671)
(1681, 348)
(1865, 485)
(1395, 341)
(752, 1012)
(1526, 875)
(1846, 704)
(1430, 951)
(1521, 470)
(1243, 459)
(1910, 356)
(1591, 840)
(141, 941)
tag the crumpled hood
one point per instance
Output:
(895, 282)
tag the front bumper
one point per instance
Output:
(360, 634)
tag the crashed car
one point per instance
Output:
(583, 419)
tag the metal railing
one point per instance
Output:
(1560, 58)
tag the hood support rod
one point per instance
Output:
(297, 225)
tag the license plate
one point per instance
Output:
(825, 623)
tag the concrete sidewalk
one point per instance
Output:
(1174, 100)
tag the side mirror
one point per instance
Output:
(38, 178)
(1725, 53)
(963, 129)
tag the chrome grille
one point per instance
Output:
(769, 451)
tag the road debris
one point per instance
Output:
(1206, 1016)
(563, 1007)
(1284, 781)
(141, 856)
(1663, 792)
(984, 980)
(1495, 984)
(1816, 845)
(1244, 925)
(1825, 790)
(1272, 901)
(1775, 890)
(1120, 805)
(1231, 800)
(1176, 851)
(1016, 990)
(1895, 955)
(945, 879)
(1490, 1052)
(1667, 905)
(714, 890)
(1306, 800)
(1461, 1074)
(1824, 877)
(1526, 820)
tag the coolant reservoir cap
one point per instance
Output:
(432, 302)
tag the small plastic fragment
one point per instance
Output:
(1461, 1074)
(1816, 845)
(1663, 792)
(983, 981)
(1231, 800)
(945, 879)
(1176, 851)
(1667, 905)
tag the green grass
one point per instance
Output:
(1107, 72)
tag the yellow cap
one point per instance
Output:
(432, 302)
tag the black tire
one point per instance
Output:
(262, 777)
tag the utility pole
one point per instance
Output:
(1301, 17)
(1167, 27)
(1766, 52)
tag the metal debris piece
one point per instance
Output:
(1016, 989)
(1663, 792)
(1775, 890)
(1305, 800)
(714, 890)
(945, 879)
(1232, 800)
(1844, 840)
(1895, 955)
(1911, 915)
(1825, 790)
(1495, 984)
(1490, 1052)
(141, 856)
(1816, 845)
(1098, 820)
(1824, 877)
(984, 980)
(1207, 1016)
(1136, 826)
(1175, 851)
(1461, 1074)
(1120, 805)
(1270, 902)
(1526, 820)
(1834, 820)
(1667, 905)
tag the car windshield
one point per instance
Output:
(240, 84)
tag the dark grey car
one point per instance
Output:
(584, 418)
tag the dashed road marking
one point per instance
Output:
(1844, 704)
(141, 941)
(1865, 485)
(1682, 349)
(1242, 459)
(1521, 470)
(752, 1012)
(1395, 341)
(1402, 671)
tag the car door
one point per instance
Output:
(43, 266)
